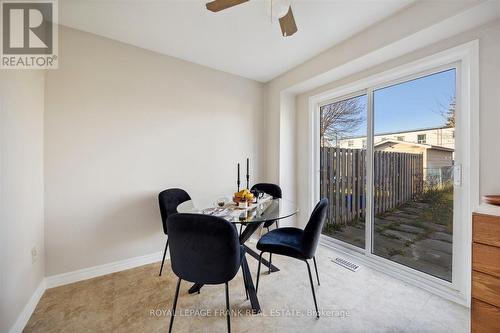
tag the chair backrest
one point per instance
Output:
(169, 200)
(271, 189)
(203, 248)
(312, 231)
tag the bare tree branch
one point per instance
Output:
(447, 111)
(340, 119)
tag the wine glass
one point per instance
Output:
(220, 202)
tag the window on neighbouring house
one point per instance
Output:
(350, 143)
(401, 138)
(364, 143)
(421, 138)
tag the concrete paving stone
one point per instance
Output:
(402, 235)
(408, 228)
(442, 236)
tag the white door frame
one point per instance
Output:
(465, 58)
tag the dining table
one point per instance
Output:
(265, 209)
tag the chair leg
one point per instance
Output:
(270, 262)
(316, 268)
(312, 289)
(241, 228)
(172, 315)
(245, 282)
(228, 314)
(164, 254)
(258, 273)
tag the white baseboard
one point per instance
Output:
(92, 272)
(28, 309)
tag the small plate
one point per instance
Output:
(492, 199)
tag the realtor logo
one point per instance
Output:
(29, 34)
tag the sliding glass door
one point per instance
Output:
(408, 144)
(414, 145)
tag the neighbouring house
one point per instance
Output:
(434, 157)
(437, 145)
(438, 136)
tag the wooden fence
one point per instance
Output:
(398, 178)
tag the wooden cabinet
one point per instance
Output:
(485, 310)
(486, 229)
(486, 259)
(481, 317)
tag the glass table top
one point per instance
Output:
(263, 211)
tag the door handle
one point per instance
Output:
(457, 175)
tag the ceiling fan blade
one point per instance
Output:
(219, 5)
(287, 24)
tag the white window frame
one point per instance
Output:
(465, 59)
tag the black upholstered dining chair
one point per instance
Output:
(297, 243)
(203, 249)
(169, 200)
(274, 191)
(271, 189)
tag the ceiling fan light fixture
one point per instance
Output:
(218, 5)
(287, 24)
(279, 8)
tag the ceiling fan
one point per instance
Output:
(283, 12)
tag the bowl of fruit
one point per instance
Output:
(243, 198)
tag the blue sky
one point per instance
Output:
(412, 105)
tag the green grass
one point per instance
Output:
(440, 209)
(332, 228)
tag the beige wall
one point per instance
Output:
(122, 124)
(21, 190)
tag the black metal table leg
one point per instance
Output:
(245, 235)
(249, 231)
(264, 261)
(254, 301)
(195, 288)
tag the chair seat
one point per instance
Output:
(284, 241)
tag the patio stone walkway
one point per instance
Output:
(402, 236)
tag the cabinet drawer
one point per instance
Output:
(486, 288)
(485, 318)
(486, 259)
(486, 229)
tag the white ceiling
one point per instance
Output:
(240, 40)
